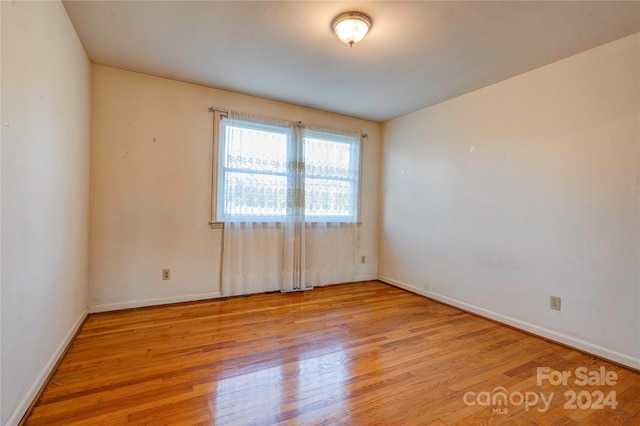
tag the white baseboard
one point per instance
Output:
(152, 302)
(564, 339)
(105, 307)
(32, 393)
(367, 278)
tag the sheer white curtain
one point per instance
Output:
(331, 253)
(332, 161)
(288, 196)
(252, 257)
(252, 186)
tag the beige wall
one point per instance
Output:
(548, 204)
(45, 194)
(151, 186)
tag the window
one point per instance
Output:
(253, 171)
(259, 165)
(332, 165)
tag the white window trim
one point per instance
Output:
(215, 177)
(214, 222)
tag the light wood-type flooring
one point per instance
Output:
(353, 354)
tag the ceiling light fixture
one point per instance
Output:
(351, 27)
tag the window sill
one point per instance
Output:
(220, 225)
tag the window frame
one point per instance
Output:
(222, 152)
(357, 185)
(217, 181)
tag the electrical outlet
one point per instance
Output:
(166, 274)
(362, 259)
(555, 303)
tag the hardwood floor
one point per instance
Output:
(363, 353)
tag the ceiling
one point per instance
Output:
(417, 53)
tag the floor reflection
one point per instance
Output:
(310, 384)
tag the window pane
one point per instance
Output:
(327, 198)
(327, 158)
(331, 176)
(254, 149)
(249, 194)
(254, 167)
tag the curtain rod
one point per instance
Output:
(214, 109)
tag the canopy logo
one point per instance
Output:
(500, 399)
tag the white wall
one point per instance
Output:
(151, 186)
(45, 194)
(548, 204)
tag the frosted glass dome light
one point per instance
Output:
(351, 27)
